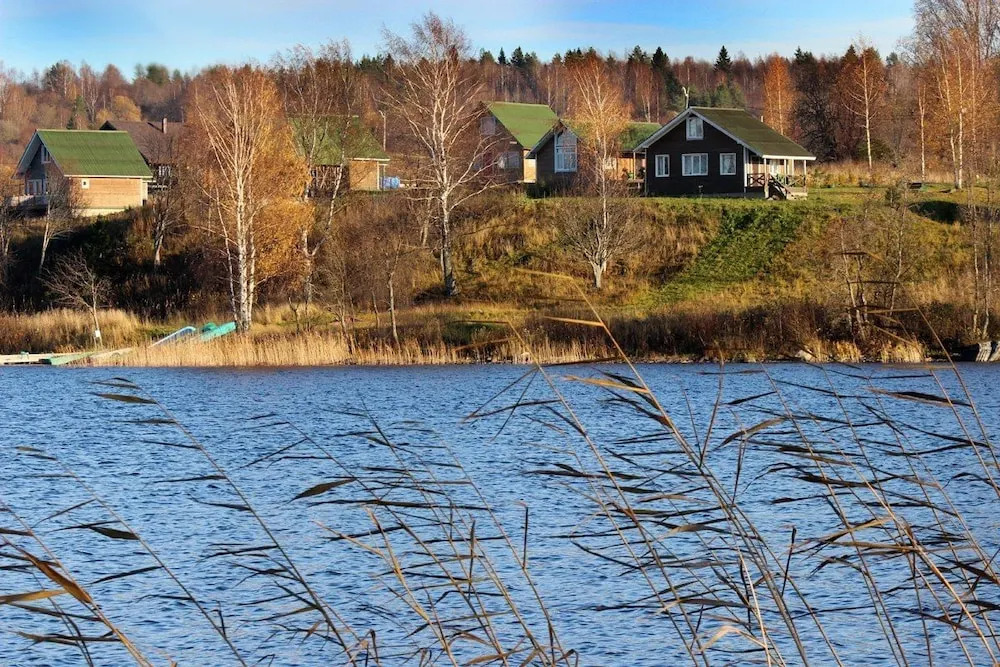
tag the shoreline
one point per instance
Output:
(460, 362)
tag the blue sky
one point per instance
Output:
(189, 34)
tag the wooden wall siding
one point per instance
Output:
(109, 195)
(36, 169)
(364, 175)
(675, 144)
(529, 167)
(548, 179)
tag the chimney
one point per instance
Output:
(163, 125)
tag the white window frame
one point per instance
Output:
(487, 126)
(722, 170)
(84, 183)
(565, 152)
(662, 164)
(698, 126)
(46, 158)
(687, 164)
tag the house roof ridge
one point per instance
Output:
(63, 129)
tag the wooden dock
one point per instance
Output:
(58, 358)
(23, 359)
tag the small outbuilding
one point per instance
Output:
(723, 152)
(93, 172)
(345, 154)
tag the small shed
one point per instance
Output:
(345, 154)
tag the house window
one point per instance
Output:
(727, 164)
(694, 164)
(610, 163)
(163, 171)
(695, 128)
(662, 166)
(510, 160)
(84, 183)
(565, 152)
(487, 126)
(46, 158)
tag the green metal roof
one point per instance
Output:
(527, 122)
(94, 153)
(361, 143)
(635, 134)
(758, 137)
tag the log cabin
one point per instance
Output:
(91, 172)
(557, 157)
(510, 130)
(724, 152)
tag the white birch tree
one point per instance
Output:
(435, 92)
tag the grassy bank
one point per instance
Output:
(709, 279)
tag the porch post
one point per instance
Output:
(745, 175)
(767, 180)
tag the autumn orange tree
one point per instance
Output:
(863, 86)
(779, 94)
(241, 162)
(957, 42)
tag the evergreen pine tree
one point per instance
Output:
(723, 63)
(502, 58)
(517, 58)
(638, 56)
(660, 60)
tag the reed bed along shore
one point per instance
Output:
(329, 349)
(714, 330)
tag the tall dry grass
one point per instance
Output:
(64, 330)
(326, 349)
(856, 173)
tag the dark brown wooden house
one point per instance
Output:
(723, 152)
(557, 159)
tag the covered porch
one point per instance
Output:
(777, 177)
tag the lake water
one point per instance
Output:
(281, 432)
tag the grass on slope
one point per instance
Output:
(749, 239)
